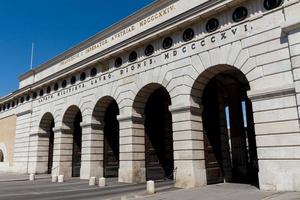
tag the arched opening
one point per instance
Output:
(46, 131)
(152, 103)
(111, 140)
(72, 121)
(105, 114)
(1, 156)
(228, 127)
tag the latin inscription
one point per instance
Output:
(188, 49)
(121, 34)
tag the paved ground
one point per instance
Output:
(17, 187)
(225, 192)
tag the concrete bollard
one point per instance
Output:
(150, 187)
(54, 179)
(102, 182)
(92, 181)
(61, 178)
(32, 177)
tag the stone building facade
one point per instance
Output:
(154, 96)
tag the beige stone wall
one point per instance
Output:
(7, 135)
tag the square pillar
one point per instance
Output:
(92, 151)
(39, 151)
(189, 161)
(62, 152)
(132, 150)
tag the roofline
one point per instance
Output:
(125, 22)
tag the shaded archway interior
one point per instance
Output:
(46, 125)
(1, 156)
(158, 136)
(72, 120)
(111, 140)
(229, 138)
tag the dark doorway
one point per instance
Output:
(77, 138)
(229, 138)
(51, 146)
(159, 139)
(111, 140)
(1, 156)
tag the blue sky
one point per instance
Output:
(54, 26)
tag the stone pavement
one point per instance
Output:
(9, 176)
(224, 192)
(16, 186)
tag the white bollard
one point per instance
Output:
(92, 181)
(31, 177)
(102, 182)
(54, 179)
(150, 187)
(61, 178)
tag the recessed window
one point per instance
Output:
(28, 97)
(13, 104)
(239, 14)
(41, 92)
(64, 84)
(17, 102)
(4, 107)
(34, 95)
(118, 62)
(56, 87)
(82, 76)
(212, 25)
(73, 80)
(271, 4)
(188, 34)
(132, 56)
(149, 50)
(167, 43)
(22, 99)
(48, 89)
(8, 106)
(93, 72)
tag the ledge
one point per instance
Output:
(289, 26)
(286, 90)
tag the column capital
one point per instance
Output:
(136, 119)
(93, 125)
(185, 108)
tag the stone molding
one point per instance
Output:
(273, 93)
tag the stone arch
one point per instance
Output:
(151, 114)
(46, 123)
(69, 117)
(203, 79)
(100, 108)
(142, 96)
(221, 94)
(105, 129)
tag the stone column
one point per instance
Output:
(189, 161)
(132, 150)
(62, 152)
(39, 151)
(92, 151)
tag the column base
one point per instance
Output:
(132, 172)
(88, 170)
(62, 170)
(189, 174)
